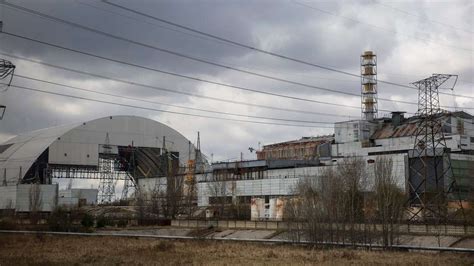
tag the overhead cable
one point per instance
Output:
(424, 18)
(379, 27)
(171, 105)
(176, 91)
(235, 43)
(189, 57)
(161, 110)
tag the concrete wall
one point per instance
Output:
(72, 198)
(353, 131)
(281, 182)
(66, 199)
(274, 187)
(283, 225)
(48, 197)
(7, 197)
(272, 210)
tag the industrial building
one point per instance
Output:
(146, 156)
(109, 149)
(267, 182)
(263, 184)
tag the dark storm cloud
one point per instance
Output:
(408, 48)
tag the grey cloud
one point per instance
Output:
(280, 26)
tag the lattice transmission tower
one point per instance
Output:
(7, 70)
(431, 183)
(107, 180)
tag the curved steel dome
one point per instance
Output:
(79, 144)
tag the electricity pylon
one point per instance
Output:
(431, 183)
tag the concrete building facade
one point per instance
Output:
(263, 183)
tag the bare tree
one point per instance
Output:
(157, 199)
(174, 197)
(141, 206)
(35, 202)
(332, 199)
(352, 174)
(331, 204)
(389, 200)
(316, 206)
(218, 192)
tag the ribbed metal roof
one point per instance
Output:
(20, 152)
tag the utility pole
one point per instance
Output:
(431, 183)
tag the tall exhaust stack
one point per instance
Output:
(368, 71)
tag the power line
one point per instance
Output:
(202, 37)
(144, 21)
(378, 27)
(177, 92)
(163, 111)
(236, 87)
(171, 105)
(183, 55)
(229, 67)
(200, 79)
(179, 75)
(424, 18)
(235, 43)
(23, 9)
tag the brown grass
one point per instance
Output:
(75, 250)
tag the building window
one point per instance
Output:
(267, 202)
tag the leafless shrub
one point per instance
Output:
(174, 198)
(389, 200)
(218, 199)
(34, 203)
(336, 206)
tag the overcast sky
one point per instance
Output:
(412, 40)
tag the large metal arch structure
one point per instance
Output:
(78, 145)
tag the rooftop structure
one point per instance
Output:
(266, 183)
(306, 148)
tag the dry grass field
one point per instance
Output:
(70, 250)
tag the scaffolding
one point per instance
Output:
(107, 180)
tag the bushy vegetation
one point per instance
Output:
(8, 223)
(87, 221)
(60, 220)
